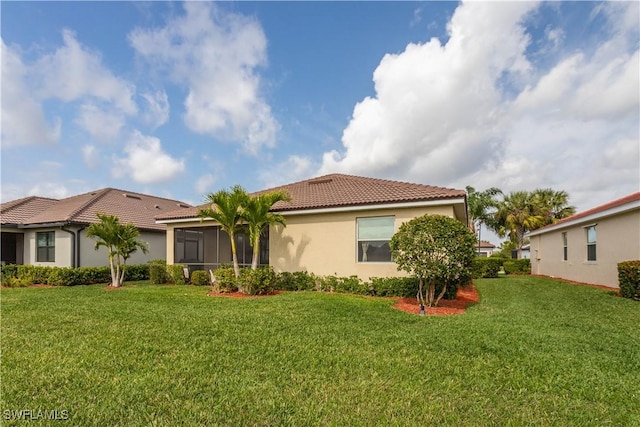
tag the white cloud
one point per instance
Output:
(23, 121)
(216, 55)
(146, 162)
(436, 104)
(73, 72)
(475, 111)
(101, 123)
(294, 168)
(204, 183)
(91, 156)
(157, 111)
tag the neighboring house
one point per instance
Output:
(525, 252)
(485, 249)
(336, 224)
(587, 246)
(42, 231)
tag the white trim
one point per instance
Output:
(588, 219)
(345, 209)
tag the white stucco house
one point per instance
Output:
(51, 232)
(586, 247)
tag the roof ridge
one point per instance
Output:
(22, 201)
(147, 195)
(89, 202)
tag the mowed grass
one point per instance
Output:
(534, 351)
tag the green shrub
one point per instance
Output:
(33, 274)
(158, 272)
(295, 281)
(483, 268)
(200, 278)
(394, 286)
(517, 266)
(8, 270)
(176, 274)
(629, 279)
(260, 281)
(225, 279)
(136, 272)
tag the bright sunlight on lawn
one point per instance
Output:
(534, 351)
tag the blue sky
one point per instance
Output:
(182, 99)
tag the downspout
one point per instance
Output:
(73, 245)
(78, 236)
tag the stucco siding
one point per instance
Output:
(618, 239)
(325, 244)
(63, 242)
(89, 257)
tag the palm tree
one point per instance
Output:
(515, 216)
(226, 209)
(120, 240)
(552, 205)
(256, 213)
(480, 204)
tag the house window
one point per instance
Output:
(565, 248)
(46, 246)
(591, 243)
(373, 236)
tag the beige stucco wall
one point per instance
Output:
(618, 239)
(325, 244)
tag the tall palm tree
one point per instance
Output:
(120, 240)
(515, 216)
(226, 209)
(256, 213)
(552, 205)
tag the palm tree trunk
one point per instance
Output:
(234, 255)
(114, 276)
(256, 253)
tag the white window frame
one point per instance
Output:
(593, 243)
(359, 240)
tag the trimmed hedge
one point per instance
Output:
(260, 281)
(176, 274)
(158, 272)
(200, 278)
(629, 279)
(517, 266)
(25, 275)
(483, 268)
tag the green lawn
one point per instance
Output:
(533, 352)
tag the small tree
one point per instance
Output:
(257, 215)
(435, 249)
(120, 240)
(226, 209)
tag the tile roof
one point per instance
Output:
(338, 190)
(139, 209)
(485, 244)
(601, 209)
(15, 211)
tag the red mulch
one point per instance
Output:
(465, 297)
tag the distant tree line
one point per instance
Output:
(514, 214)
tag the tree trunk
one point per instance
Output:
(256, 254)
(114, 275)
(234, 255)
(442, 292)
(432, 291)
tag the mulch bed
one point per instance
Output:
(465, 297)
